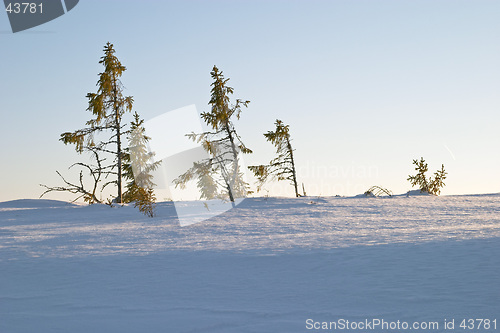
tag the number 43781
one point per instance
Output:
(24, 8)
(478, 324)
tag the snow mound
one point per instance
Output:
(35, 203)
(414, 193)
(257, 224)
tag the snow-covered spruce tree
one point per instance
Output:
(137, 168)
(282, 167)
(219, 176)
(429, 185)
(108, 106)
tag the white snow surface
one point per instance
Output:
(268, 265)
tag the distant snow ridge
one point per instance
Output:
(47, 228)
(35, 203)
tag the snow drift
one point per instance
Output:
(269, 265)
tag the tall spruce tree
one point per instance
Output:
(137, 168)
(282, 167)
(108, 105)
(219, 176)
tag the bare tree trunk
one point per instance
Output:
(119, 198)
(119, 153)
(235, 164)
(294, 175)
(226, 176)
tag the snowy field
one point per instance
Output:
(270, 265)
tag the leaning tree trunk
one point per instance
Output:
(231, 182)
(294, 174)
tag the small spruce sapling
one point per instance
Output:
(282, 167)
(137, 168)
(429, 185)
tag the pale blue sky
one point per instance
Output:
(366, 86)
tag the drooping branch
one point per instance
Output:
(73, 188)
(96, 172)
